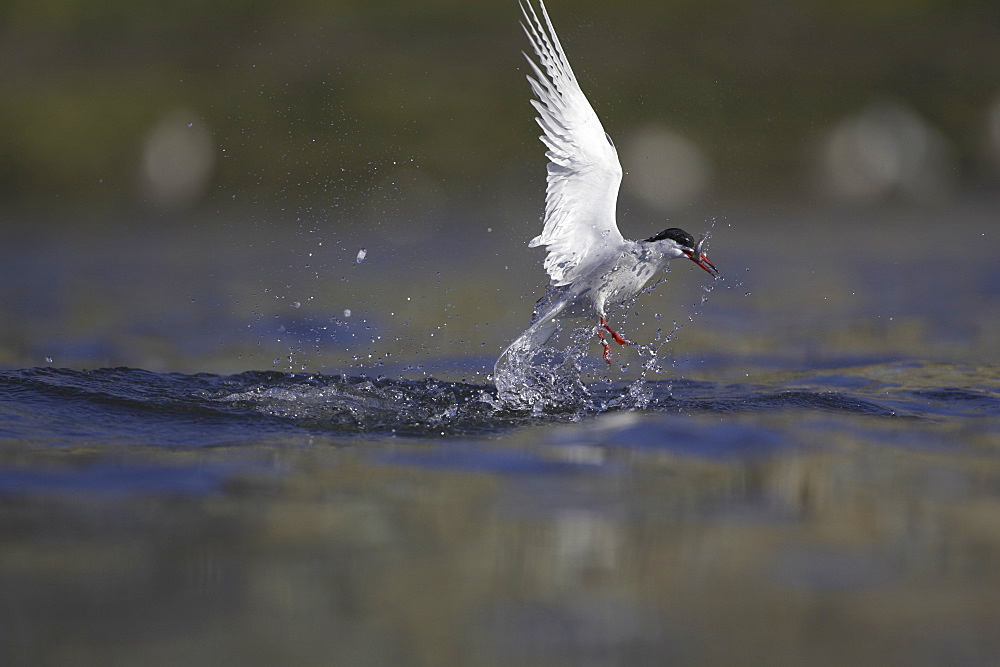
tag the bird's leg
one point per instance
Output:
(604, 343)
(614, 334)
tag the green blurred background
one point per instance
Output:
(172, 173)
(330, 102)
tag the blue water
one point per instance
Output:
(122, 407)
(809, 474)
(163, 517)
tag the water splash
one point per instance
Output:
(533, 374)
(539, 374)
(540, 378)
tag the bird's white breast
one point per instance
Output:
(624, 276)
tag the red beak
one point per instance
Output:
(703, 262)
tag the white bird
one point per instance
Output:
(590, 264)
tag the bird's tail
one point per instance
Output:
(512, 370)
(530, 341)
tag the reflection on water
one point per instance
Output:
(827, 516)
(814, 477)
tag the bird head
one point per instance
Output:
(678, 243)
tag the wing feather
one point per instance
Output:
(583, 174)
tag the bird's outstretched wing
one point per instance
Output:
(583, 171)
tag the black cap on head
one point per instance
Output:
(678, 236)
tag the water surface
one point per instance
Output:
(206, 459)
(266, 516)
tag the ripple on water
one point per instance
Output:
(174, 410)
(117, 479)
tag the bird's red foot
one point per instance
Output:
(614, 334)
(604, 343)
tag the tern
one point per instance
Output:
(590, 265)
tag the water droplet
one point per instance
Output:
(361, 255)
(347, 312)
(296, 304)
